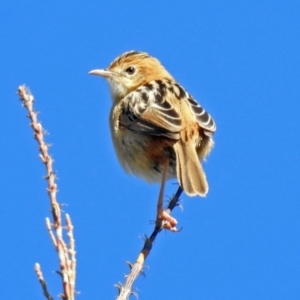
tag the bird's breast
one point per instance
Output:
(140, 154)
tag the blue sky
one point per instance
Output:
(240, 60)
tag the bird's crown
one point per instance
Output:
(129, 56)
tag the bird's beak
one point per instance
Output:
(103, 73)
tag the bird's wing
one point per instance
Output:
(147, 110)
(150, 110)
(203, 118)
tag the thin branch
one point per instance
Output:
(72, 252)
(66, 254)
(40, 276)
(125, 290)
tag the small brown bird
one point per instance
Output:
(158, 129)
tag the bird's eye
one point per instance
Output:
(130, 70)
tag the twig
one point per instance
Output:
(72, 252)
(66, 253)
(40, 276)
(125, 290)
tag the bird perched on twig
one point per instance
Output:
(158, 129)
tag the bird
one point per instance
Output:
(159, 131)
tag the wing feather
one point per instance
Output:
(145, 110)
(203, 118)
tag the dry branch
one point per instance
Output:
(66, 252)
(125, 290)
(40, 276)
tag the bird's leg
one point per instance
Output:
(163, 218)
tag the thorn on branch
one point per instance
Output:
(129, 264)
(59, 273)
(134, 294)
(118, 286)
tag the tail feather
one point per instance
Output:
(190, 173)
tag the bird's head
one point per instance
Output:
(131, 70)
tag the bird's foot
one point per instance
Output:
(166, 221)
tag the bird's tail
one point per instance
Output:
(190, 173)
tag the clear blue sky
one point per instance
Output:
(240, 60)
